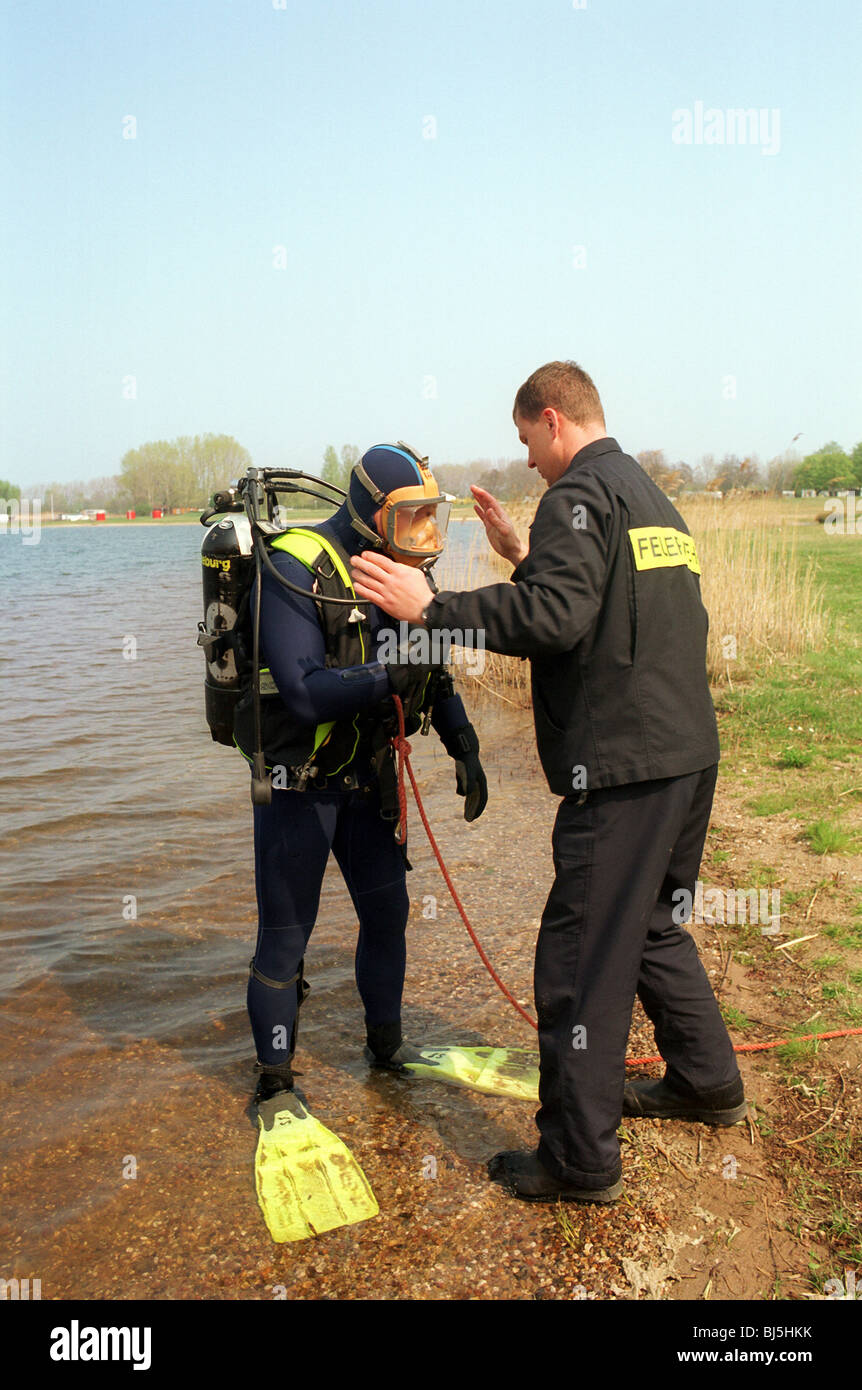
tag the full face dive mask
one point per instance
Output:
(414, 518)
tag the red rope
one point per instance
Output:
(761, 1047)
(403, 750)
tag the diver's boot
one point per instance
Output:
(387, 1049)
(659, 1101)
(278, 1076)
(272, 1080)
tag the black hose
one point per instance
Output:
(261, 786)
(260, 548)
(249, 495)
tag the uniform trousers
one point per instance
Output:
(625, 859)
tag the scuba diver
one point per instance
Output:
(301, 678)
(326, 720)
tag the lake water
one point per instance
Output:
(125, 832)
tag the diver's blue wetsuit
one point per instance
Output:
(295, 833)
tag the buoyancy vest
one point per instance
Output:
(327, 752)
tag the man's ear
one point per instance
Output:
(552, 420)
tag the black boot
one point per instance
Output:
(386, 1047)
(660, 1101)
(523, 1174)
(278, 1076)
(272, 1080)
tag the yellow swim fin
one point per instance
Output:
(496, 1071)
(307, 1180)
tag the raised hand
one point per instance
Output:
(501, 534)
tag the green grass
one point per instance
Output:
(141, 519)
(735, 1018)
(797, 1050)
(833, 991)
(762, 876)
(789, 896)
(790, 736)
(806, 714)
(825, 963)
(827, 837)
(847, 937)
(771, 803)
(795, 757)
(843, 1227)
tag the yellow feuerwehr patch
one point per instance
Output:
(658, 547)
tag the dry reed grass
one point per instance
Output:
(507, 678)
(763, 601)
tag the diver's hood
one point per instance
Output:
(395, 480)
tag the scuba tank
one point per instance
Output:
(227, 561)
(241, 522)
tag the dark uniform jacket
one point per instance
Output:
(607, 607)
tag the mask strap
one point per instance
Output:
(423, 462)
(376, 496)
(369, 485)
(359, 525)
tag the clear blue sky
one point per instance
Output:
(425, 278)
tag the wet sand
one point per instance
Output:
(131, 1166)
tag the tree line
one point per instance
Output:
(828, 468)
(182, 472)
(186, 471)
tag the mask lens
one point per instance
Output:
(420, 529)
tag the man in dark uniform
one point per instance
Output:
(606, 604)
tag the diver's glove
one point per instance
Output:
(405, 663)
(471, 783)
(402, 676)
